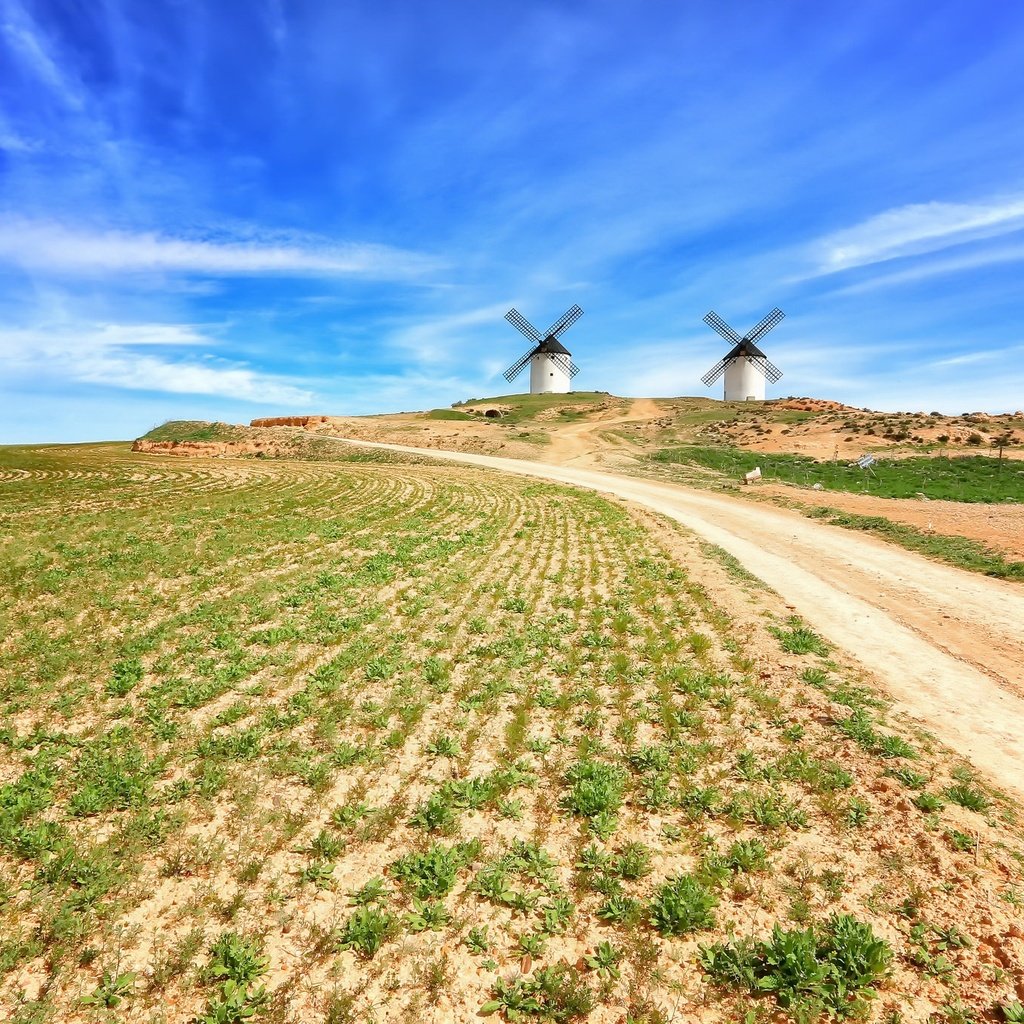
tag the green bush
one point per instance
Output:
(683, 904)
(367, 930)
(831, 968)
(596, 788)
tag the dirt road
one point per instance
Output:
(580, 442)
(948, 645)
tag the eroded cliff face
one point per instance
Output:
(214, 449)
(289, 421)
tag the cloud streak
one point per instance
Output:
(123, 356)
(51, 247)
(913, 230)
(444, 339)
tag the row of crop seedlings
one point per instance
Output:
(446, 810)
(93, 644)
(318, 870)
(363, 657)
(523, 879)
(365, 667)
(134, 772)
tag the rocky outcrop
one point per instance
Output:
(289, 421)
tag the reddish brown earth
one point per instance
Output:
(1000, 527)
(214, 449)
(290, 421)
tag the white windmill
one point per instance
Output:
(551, 367)
(745, 366)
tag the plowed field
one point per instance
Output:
(385, 741)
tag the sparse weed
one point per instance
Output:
(683, 904)
(798, 639)
(367, 930)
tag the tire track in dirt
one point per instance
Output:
(945, 643)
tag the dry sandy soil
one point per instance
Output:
(945, 643)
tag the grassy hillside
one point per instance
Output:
(195, 430)
(290, 741)
(520, 408)
(447, 414)
(242, 442)
(964, 478)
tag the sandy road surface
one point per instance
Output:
(580, 442)
(947, 644)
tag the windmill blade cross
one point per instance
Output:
(514, 370)
(766, 325)
(517, 320)
(713, 320)
(567, 319)
(771, 372)
(714, 373)
(562, 360)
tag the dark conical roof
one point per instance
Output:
(745, 348)
(552, 346)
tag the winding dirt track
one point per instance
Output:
(947, 644)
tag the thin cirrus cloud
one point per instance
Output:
(123, 356)
(936, 267)
(443, 338)
(51, 247)
(914, 230)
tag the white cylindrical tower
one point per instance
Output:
(548, 375)
(744, 382)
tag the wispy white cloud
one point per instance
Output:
(913, 230)
(445, 338)
(25, 40)
(122, 356)
(50, 247)
(937, 267)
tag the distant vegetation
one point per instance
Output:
(965, 478)
(447, 414)
(517, 408)
(195, 430)
(272, 443)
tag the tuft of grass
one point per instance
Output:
(596, 788)
(367, 930)
(559, 993)
(433, 872)
(799, 639)
(968, 796)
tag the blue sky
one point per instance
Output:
(228, 209)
